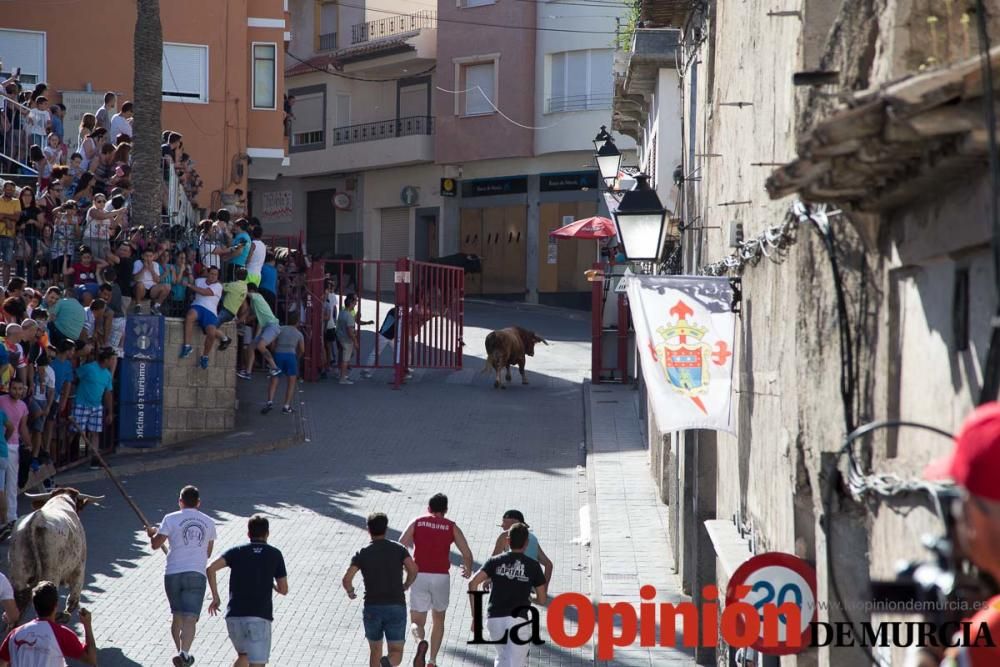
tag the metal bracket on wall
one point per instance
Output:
(737, 286)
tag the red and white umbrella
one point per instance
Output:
(588, 228)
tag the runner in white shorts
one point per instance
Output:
(431, 537)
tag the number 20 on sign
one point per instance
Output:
(768, 583)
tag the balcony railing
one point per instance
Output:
(590, 102)
(393, 25)
(383, 129)
(328, 42)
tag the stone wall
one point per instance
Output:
(197, 402)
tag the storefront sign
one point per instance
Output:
(573, 180)
(449, 187)
(141, 386)
(276, 206)
(486, 187)
(684, 328)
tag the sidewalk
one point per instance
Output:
(254, 434)
(629, 543)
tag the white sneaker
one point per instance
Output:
(415, 631)
(366, 374)
(346, 381)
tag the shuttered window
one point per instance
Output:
(308, 127)
(185, 73)
(580, 80)
(480, 89)
(24, 49)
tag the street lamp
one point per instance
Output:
(640, 221)
(601, 137)
(609, 160)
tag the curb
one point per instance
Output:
(595, 540)
(126, 468)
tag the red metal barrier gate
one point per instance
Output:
(428, 299)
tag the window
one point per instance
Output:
(265, 74)
(185, 73)
(476, 3)
(309, 124)
(480, 88)
(24, 49)
(327, 26)
(580, 80)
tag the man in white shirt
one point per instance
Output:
(204, 310)
(258, 252)
(146, 274)
(121, 122)
(191, 536)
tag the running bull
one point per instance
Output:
(508, 347)
(50, 545)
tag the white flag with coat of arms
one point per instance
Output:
(684, 330)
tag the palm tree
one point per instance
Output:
(147, 98)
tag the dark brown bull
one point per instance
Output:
(50, 545)
(508, 347)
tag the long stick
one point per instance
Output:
(95, 452)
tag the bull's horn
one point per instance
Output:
(87, 496)
(38, 496)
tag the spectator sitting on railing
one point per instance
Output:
(204, 311)
(84, 272)
(234, 296)
(66, 316)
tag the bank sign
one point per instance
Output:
(141, 385)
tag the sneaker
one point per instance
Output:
(366, 374)
(415, 631)
(419, 660)
(346, 381)
(243, 375)
(267, 408)
(137, 309)
(274, 372)
(155, 309)
(203, 362)
(224, 343)
(190, 660)
(186, 351)
(179, 661)
(287, 410)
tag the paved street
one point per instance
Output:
(371, 448)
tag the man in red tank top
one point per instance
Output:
(431, 537)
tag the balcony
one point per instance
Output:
(393, 25)
(596, 102)
(328, 42)
(383, 129)
(374, 145)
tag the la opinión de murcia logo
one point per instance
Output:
(769, 627)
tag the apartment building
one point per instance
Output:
(495, 103)
(222, 74)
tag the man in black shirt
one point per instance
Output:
(257, 569)
(513, 576)
(380, 564)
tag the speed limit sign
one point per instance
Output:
(776, 579)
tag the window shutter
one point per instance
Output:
(601, 64)
(308, 111)
(26, 50)
(184, 69)
(557, 96)
(479, 86)
(576, 80)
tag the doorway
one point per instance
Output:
(425, 246)
(321, 223)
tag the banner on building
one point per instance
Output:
(684, 329)
(141, 382)
(276, 206)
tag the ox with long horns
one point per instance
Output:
(49, 544)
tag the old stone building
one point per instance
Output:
(886, 128)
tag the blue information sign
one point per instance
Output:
(141, 382)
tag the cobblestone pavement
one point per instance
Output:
(370, 448)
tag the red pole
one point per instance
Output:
(596, 315)
(623, 336)
(400, 358)
(314, 315)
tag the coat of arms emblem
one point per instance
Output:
(686, 357)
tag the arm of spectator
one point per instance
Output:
(213, 584)
(411, 572)
(546, 564)
(348, 581)
(406, 539)
(11, 613)
(281, 586)
(8, 430)
(463, 548)
(204, 291)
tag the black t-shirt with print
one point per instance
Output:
(381, 565)
(513, 576)
(254, 567)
